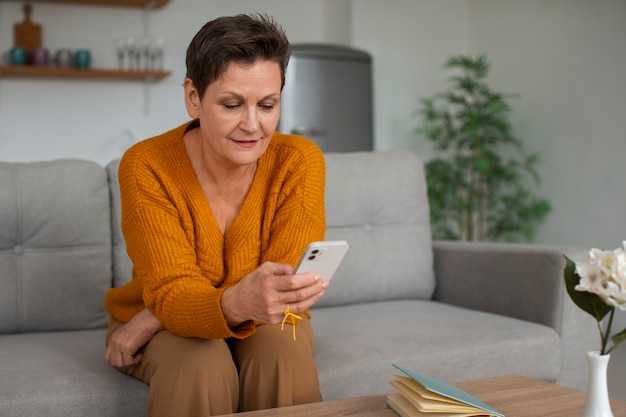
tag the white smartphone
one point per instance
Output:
(323, 258)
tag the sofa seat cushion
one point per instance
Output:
(64, 374)
(357, 345)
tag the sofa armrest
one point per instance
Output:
(522, 281)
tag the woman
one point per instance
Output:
(215, 214)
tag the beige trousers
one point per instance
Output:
(199, 377)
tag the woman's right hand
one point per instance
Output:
(264, 294)
(126, 341)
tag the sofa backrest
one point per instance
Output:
(60, 219)
(55, 246)
(377, 201)
(122, 265)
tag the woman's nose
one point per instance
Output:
(250, 121)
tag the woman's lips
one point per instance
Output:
(246, 143)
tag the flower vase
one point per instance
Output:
(597, 403)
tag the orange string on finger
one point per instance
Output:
(294, 319)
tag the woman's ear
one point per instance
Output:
(192, 99)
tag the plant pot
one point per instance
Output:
(597, 403)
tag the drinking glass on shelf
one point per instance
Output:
(143, 51)
(130, 52)
(156, 54)
(137, 54)
(120, 48)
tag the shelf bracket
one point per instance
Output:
(147, 83)
(146, 18)
(148, 80)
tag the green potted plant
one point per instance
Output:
(477, 185)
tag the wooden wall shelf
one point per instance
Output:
(147, 77)
(149, 4)
(76, 73)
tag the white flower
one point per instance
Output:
(604, 274)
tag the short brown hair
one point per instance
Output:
(242, 38)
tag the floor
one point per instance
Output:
(616, 374)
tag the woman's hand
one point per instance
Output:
(128, 339)
(263, 295)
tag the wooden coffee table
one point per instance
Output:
(512, 395)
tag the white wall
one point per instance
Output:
(409, 40)
(565, 58)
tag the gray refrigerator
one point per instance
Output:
(328, 97)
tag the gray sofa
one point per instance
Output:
(452, 310)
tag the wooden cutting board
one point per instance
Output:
(27, 34)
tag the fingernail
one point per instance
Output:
(325, 284)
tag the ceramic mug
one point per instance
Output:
(17, 55)
(82, 58)
(40, 57)
(63, 58)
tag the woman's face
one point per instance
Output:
(238, 113)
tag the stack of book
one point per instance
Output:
(419, 395)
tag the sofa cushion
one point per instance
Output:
(55, 245)
(377, 201)
(355, 346)
(122, 265)
(64, 374)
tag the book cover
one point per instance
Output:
(420, 395)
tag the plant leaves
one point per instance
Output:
(468, 125)
(619, 338)
(588, 302)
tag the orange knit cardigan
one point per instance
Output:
(182, 263)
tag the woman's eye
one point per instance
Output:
(229, 106)
(267, 107)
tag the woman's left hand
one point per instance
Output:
(125, 342)
(264, 294)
